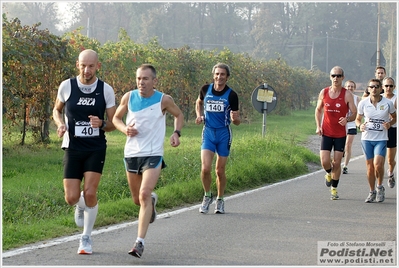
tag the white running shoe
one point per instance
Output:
(85, 245)
(219, 207)
(205, 204)
(380, 194)
(371, 197)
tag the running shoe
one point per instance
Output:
(79, 216)
(391, 179)
(205, 204)
(380, 194)
(85, 245)
(219, 208)
(328, 179)
(334, 194)
(345, 170)
(371, 197)
(154, 198)
(137, 250)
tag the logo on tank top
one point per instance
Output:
(87, 89)
(86, 101)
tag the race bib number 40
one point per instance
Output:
(86, 131)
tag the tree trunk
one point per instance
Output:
(24, 125)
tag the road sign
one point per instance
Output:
(264, 100)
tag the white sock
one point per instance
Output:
(90, 218)
(81, 203)
(139, 239)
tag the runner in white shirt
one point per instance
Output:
(389, 85)
(351, 128)
(145, 128)
(379, 114)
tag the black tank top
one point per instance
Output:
(78, 107)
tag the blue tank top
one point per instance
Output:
(78, 107)
(217, 109)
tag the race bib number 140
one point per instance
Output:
(214, 107)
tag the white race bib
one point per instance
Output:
(86, 131)
(214, 107)
(375, 125)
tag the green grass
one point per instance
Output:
(33, 198)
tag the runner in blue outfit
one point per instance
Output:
(216, 107)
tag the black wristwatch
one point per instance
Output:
(103, 125)
(177, 132)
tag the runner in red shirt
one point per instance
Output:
(331, 111)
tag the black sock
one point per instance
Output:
(334, 183)
(328, 170)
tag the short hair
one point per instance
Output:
(223, 66)
(389, 78)
(351, 81)
(149, 66)
(338, 67)
(375, 80)
(380, 67)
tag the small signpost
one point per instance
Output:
(264, 100)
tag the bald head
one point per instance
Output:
(88, 65)
(88, 54)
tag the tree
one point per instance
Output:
(330, 33)
(44, 14)
(32, 61)
(340, 34)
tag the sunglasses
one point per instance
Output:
(389, 86)
(374, 86)
(336, 75)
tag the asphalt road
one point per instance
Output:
(279, 224)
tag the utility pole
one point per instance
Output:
(311, 56)
(327, 71)
(311, 52)
(88, 27)
(378, 36)
(391, 52)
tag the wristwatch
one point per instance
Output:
(103, 125)
(177, 132)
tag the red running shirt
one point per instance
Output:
(334, 109)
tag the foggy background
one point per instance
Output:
(313, 35)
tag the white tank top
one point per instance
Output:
(150, 122)
(352, 124)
